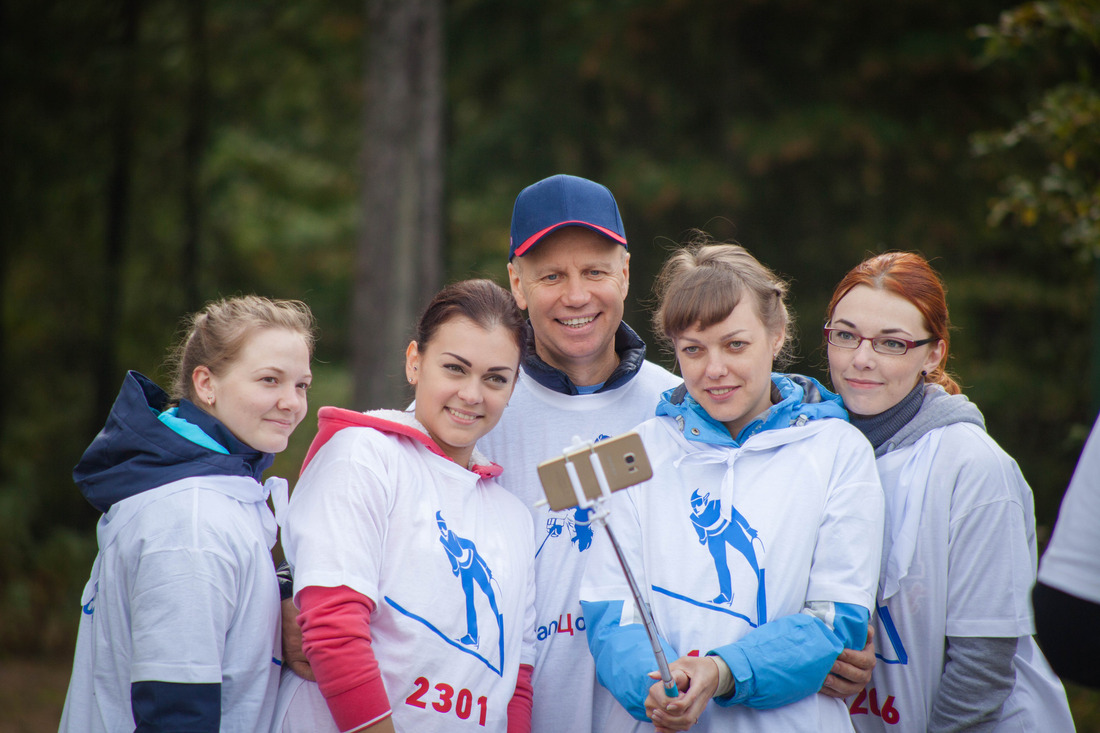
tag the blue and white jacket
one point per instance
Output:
(762, 549)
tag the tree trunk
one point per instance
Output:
(398, 258)
(118, 212)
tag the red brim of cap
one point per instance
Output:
(530, 241)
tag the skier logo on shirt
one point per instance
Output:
(473, 573)
(577, 521)
(470, 568)
(578, 524)
(715, 531)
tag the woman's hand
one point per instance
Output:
(293, 656)
(852, 670)
(697, 679)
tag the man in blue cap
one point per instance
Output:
(585, 375)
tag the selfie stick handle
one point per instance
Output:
(639, 602)
(647, 617)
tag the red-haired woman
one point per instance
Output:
(959, 553)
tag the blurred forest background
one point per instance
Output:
(161, 153)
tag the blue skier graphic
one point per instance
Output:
(716, 532)
(469, 567)
(580, 526)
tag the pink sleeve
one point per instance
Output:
(336, 638)
(519, 707)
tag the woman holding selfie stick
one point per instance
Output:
(413, 568)
(758, 538)
(954, 620)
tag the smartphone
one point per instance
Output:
(624, 462)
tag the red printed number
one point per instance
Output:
(463, 706)
(887, 712)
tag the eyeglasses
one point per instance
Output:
(890, 345)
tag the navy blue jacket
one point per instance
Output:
(628, 346)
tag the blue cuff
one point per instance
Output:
(623, 654)
(850, 624)
(780, 662)
(174, 707)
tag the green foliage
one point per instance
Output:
(727, 116)
(1053, 153)
(41, 579)
(278, 185)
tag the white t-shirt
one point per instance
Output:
(537, 425)
(958, 560)
(1071, 562)
(445, 555)
(809, 499)
(183, 590)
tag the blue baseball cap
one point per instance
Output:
(563, 201)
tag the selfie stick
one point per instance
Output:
(601, 517)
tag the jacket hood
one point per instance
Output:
(628, 345)
(796, 400)
(331, 420)
(938, 409)
(135, 451)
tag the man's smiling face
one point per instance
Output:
(573, 285)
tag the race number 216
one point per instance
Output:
(887, 712)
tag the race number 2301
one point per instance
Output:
(447, 700)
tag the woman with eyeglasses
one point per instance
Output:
(953, 620)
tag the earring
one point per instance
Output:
(924, 373)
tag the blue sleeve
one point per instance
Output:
(623, 654)
(787, 659)
(850, 624)
(173, 707)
